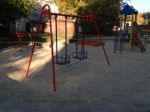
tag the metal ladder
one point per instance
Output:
(118, 42)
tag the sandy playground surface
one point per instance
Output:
(82, 86)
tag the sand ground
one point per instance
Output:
(82, 86)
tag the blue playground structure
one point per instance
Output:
(134, 37)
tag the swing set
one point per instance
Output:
(79, 52)
(64, 58)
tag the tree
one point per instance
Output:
(140, 18)
(11, 10)
(106, 11)
(70, 6)
(146, 17)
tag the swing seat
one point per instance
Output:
(63, 59)
(91, 43)
(80, 55)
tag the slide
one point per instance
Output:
(137, 36)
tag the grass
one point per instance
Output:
(12, 40)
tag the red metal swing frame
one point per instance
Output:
(47, 12)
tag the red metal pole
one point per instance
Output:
(30, 59)
(100, 40)
(67, 15)
(52, 51)
(33, 47)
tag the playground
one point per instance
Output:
(81, 76)
(88, 85)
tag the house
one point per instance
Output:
(29, 24)
(23, 24)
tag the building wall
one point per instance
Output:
(61, 27)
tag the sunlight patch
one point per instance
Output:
(16, 76)
(40, 58)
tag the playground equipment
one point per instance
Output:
(118, 39)
(91, 42)
(46, 12)
(20, 36)
(136, 35)
(79, 53)
(63, 58)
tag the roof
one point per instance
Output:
(128, 10)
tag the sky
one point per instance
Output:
(140, 5)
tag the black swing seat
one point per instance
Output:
(80, 55)
(63, 59)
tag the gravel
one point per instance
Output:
(89, 85)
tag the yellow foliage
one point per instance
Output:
(140, 19)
